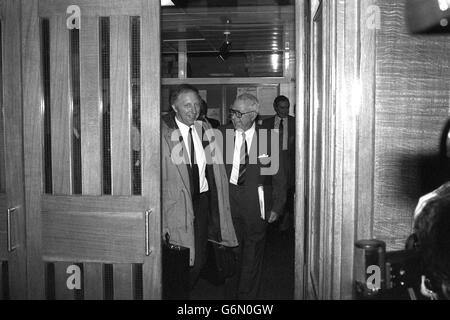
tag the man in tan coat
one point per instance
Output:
(195, 199)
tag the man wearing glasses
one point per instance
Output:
(257, 195)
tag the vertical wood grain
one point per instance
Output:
(366, 131)
(61, 106)
(350, 107)
(62, 292)
(93, 281)
(339, 161)
(314, 154)
(150, 133)
(326, 225)
(123, 281)
(348, 152)
(2, 130)
(13, 137)
(302, 98)
(412, 107)
(2, 288)
(120, 105)
(33, 144)
(90, 107)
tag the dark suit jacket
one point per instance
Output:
(214, 123)
(274, 185)
(290, 161)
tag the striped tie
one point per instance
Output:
(244, 161)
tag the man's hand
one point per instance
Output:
(273, 216)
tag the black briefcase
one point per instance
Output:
(220, 264)
(175, 271)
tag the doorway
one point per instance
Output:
(85, 107)
(267, 58)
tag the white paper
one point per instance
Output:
(261, 202)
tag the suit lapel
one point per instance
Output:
(253, 150)
(173, 138)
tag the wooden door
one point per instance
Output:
(91, 135)
(12, 211)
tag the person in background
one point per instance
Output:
(195, 197)
(256, 197)
(285, 123)
(204, 115)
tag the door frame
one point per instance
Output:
(13, 141)
(345, 191)
(302, 36)
(33, 158)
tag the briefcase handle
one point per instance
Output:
(172, 246)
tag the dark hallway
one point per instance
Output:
(278, 271)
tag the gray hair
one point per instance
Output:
(249, 100)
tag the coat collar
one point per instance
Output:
(173, 137)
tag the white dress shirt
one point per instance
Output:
(237, 151)
(285, 130)
(199, 152)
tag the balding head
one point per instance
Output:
(244, 111)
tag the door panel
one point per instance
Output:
(91, 119)
(93, 289)
(93, 229)
(3, 228)
(61, 290)
(123, 281)
(12, 213)
(60, 107)
(113, 239)
(120, 105)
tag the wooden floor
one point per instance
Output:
(278, 271)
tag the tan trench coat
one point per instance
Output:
(178, 214)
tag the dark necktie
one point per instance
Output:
(280, 131)
(244, 160)
(194, 168)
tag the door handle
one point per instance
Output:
(148, 250)
(8, 231)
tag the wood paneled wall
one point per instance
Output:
(341, 163)
(374, 134)
(412, 107)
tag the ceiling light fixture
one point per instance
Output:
(224, 51)
(167, 3)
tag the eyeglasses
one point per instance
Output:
(238, 114)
